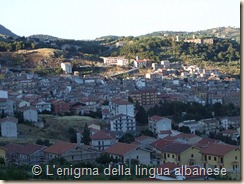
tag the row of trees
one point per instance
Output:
(180, 111)
(16, 45)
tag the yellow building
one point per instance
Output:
(181, 154)
(221, 156)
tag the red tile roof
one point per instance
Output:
(165, 132)
(60, 147)
(156, 118)
(218, 149)
(206, 142)
(159, 144)
(187, 136)
(229, 132)
(175, 148)
(27, 149)
(102, 135)
(120, 149)
(11, 119)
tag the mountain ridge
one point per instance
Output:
(225, 32)
(7, 32)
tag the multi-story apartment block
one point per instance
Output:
(60, 107)
(122, 123)
(144, 97)
(118, 106)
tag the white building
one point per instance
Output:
(3, 94)
(119, 106)
(192, 124)
(122, 123)
(9, 127)
(30, 114)
(159, 123)
(120, 61)
(102, 140)
(67, 67)
(42, 106)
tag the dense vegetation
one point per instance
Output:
(181, 111)
(157, 49)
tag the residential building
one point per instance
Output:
(42, 106)
(6, 106)
(71, 152)
(230, 122)
(29, 113)
(28, 154)
(120, 61)
(142, 63)
(221, 156)
(191, 124)
(159, 123)
(187, 138)
(102, 140)
(177, 153)
(9, 127)
(144, 97)
(3, 94)
(126, 152)
(122, 123)
(118, 106)
(60, 107)
(67, 67)
(210, 125)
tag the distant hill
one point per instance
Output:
(220, 32)
(43, 37)
(7, 32)
(113, 37)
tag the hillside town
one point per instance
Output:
(118, 101)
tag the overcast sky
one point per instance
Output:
(90, 19)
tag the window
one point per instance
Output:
(192, 155)
(215, 158)
(235, 157)
(137, 157)
(173, 156)
(221, 160)
(168, 155)
(209, 157)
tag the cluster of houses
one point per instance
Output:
(170, 148)
(30, 94)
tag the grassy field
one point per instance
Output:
(56, 128)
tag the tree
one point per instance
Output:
(39, 141)
(2, 161)
(141, 116)
(185, 129)
(86, 139)
(3, 115)
(127, 138)
(130, 99)
(147, 132)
